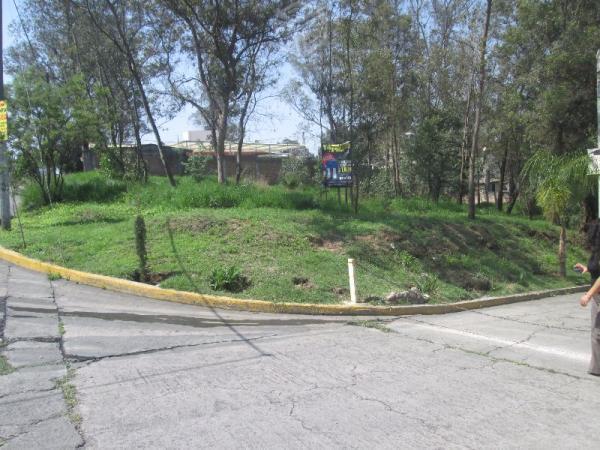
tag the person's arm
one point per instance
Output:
(585, 299)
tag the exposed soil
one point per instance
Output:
(197, 225)
(154, 278)
(334, 244)
(302, 283)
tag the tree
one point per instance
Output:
(478, 106)
(61, 41)
(49, 123)
(561, 185)
(125, 24)
(225, 41)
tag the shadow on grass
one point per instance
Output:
(192, 282)
(459, 252)
(105, 220)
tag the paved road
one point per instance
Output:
(104, 370)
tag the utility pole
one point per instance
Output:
(4, 175)
(598, 113)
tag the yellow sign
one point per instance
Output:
(3, 121)
(336, 148)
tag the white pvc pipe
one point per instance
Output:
(352, 281)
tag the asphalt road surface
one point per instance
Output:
(97, 369)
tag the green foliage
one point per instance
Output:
(78, 187)
(122, 163)
(140, 248)
(209, 194)
(551, 49)
(50, 123)
(432, 155)
(559, 182)
(427, 283)
(378, 184)
(393, 242)
(228, 279)
(297, 172)
(197, 166)
(5, 367)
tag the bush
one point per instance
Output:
(228, 279)
(297, 172)
(197, 166)
(140, 248)
(427, 284)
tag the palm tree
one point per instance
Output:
(561, 183)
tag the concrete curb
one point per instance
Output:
(214, 301)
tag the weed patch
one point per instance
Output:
(70, 395)
(5, 367)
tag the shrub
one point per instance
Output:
(427, 284)
(140, 248)
(297, 172)
(228, 279)
(197, 166)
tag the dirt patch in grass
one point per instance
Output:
(333, 243)
(88, 216)
(154, 278)
(302, 283)
(198, 225)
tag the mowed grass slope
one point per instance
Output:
(294, 246)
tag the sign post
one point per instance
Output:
(4, 175)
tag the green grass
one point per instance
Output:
(273, 235)
(5, 367)
(70, 395)
(78, 187)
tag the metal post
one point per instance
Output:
(352, 281)
(598, 114)
(4, 176)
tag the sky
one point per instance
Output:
(272, 122)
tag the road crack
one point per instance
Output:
(93, 359)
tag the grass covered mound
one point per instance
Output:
(294, 245)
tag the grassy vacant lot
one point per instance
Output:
(292, 245)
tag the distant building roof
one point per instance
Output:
(231, 147)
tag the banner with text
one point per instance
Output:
(3, 121)
(336, 161)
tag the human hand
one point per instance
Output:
(580, 268)
(585, 299)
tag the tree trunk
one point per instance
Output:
(500, 194)
(562, 252)
(463, 146)
(486, 185)
(149, 115)
(135, 73)
(220, 150)
(238, 156)
(87, 158)
(475, 141)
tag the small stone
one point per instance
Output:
(412, 296)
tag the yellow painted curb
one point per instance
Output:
(214, 301)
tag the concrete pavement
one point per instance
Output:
(104, 370)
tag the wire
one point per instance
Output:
(25, 30)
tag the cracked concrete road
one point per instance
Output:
(97, 369)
